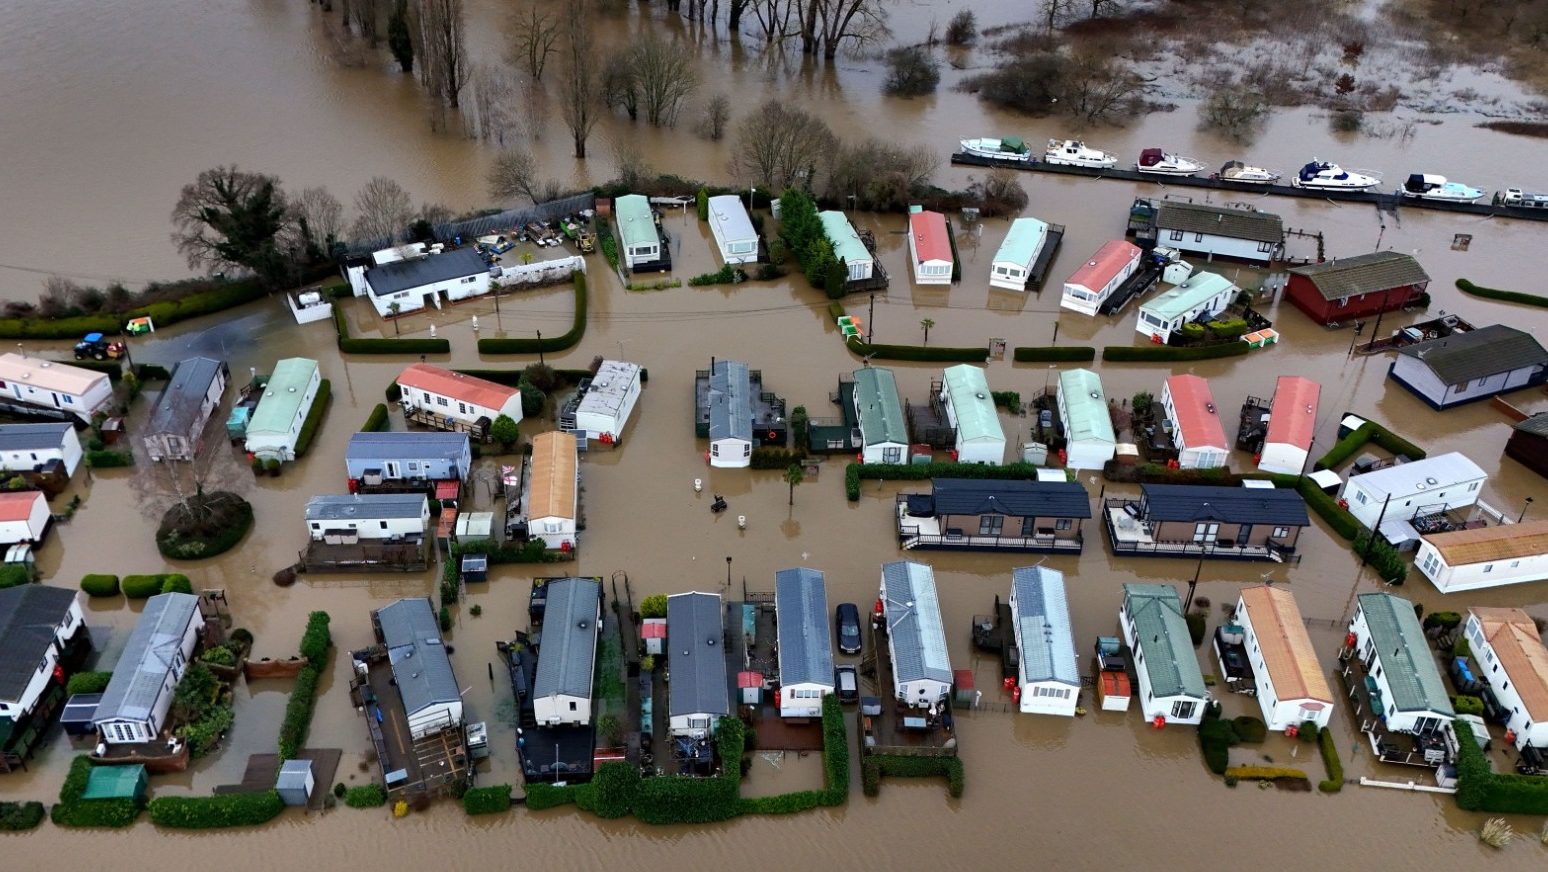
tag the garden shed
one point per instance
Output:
(296, 782)
(117, 782)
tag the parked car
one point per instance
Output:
(849, 628)
(846, 683)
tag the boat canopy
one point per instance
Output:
(1013, 144)
(1424, 182)
(1151, 156)
(1317, 168)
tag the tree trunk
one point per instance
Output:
(580, 147)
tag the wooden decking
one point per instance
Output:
(263, 770)
(364, 556)
(899, 730)
(431, 763)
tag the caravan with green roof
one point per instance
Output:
(1200, 297)
(637, 230)
(847, 245)
(1012, 265)
(1089, 440)
(287, 398)
(1171, 685)
(1401, 680)
(970, 411)
(879, 412)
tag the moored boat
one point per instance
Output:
(1519, 199)
(1160, 162)
(1074, 153)
(1424, 186)
(1009, 148)
(1243, 174)
(1328, 176)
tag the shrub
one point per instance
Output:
(1156, 353)
(541, 797)
(613, 792)
(765, 457)
(1468, 705)
(921, 767)
(151, 372)
(366, 796)
(1329, 748)
(72, 811)
(14, 575)
(298, 712)
(701, 199)
(105, 459)
(963, 28)
(394, 392)
(1215, 739)
(1249, 729)
(936, 353)
(1389, 564)
(1524, 299)
(1007, 399)
(445, 619)
(505, 431)
(394, 345)
(1053, 353)
(377, 421)
(314, 417)
(1030, 83)
(142, 586)
(1265, 773)
(1192, 332)
(487, 800)
(88, 682)
(911, 72)
(176, 583)
(99, 584)
(316, 639)
(726, 275)
(18, 816)
(835, 753)
(1461, 648)
(1370, 431)
(552, 344)
(1234, 111)
(1443, 620)
(204, 733)
(1196, 627)
(215, 812)
(220, 655)
(204, 525)
(654, 606)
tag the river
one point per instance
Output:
(103, 125)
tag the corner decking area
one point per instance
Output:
(410, 767)
(927, 422)
(364, 556)
(841, 434)
(1408, 749)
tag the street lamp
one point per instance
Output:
(1192, 585)
(1524, 507)
(728, 572)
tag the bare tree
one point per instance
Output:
(579, 91)
(384, 210)
(880, 175)
(717, 114)
(434, 214)
(629, 164)
(318, 219)
(666, 77)
(1098, 88)
(778, 145)
(442, 26)
(363, 14)
(844, 23)
(514, 173)
(491, 114)
(1053, 11)
(1097, 6)
(534, 36)
(775, 18)
(230, 218)
(620, 85)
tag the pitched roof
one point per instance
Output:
(281, 400)
(365, 507)
(467, 388)
(147, 658)
(609, 386)
(916, 634)
(567, 655)
(1231, 222)
(33, 437)
(636, 224)
(1226, 505)
(847, 245)
(696, 656)
(1015, 497)
(177, 409)
(1399, 643)
(1293, 414)
(1487, 544)
(49, 375)
(1162, 635)
(417, 272)
(409, 445)
(727, 211)
(1086, 416)
(1198, 418)
(29, 616)
(1462, 357)
(805, 647)
(1042, 614)
(17, 505)
(1537, 424)
(1513, 636)
(878, 407)
(971, 403)
(1183, 299)
(1287, 650)
(1441, 470)
(551, 486)
(1022, 243)
(931, 238)
(1108, 261)
(420, 667)
(1363, 274)
(730, 401)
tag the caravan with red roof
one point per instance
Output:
(1195, 422)
(1096, 280)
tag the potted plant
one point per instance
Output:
(257, 464)
(273, 466)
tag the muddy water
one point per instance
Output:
(644, 518)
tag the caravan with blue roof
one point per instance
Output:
(1047, 673)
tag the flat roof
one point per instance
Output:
(29, 617)
(417, 272)
(1181, 300)
(730, 401)
(1293, 412)
(282, 396)
(410, 445)
(146, 661)
(972, 404)
(913, 613)
(847, 245)
(568, 653)
(1086, 415)
(1197, 415)
(49, 375)
(805, 649)
(32, 437)
(1286, 647)
(1111, 259)
(421, 668)
(551, 486)
(1227, 505)
(696, 656)
(1022, 242)
(728, 212)
(1022, 498)
(636, 224)
(931, 239)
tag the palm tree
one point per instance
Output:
(794, 475)
(927, 324)
(393, 308)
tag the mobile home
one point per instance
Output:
(929, 247)
(438, 393)
(1012, 265)
(637, 229)
(733, 230)
(847, 246)
(352, 517)
(1200, 297)
(1392, 647)
(287, 399)
(698, 694)
(1292, 425)
(552, 490)
(1195, 422)
(604, 409)
(562, 689)
(30, 447)
(378, 458)
(1291, 686)
(1407, 490)
(1171, 685)
(1047, 673)
(1089, 440)
(421, 668)
(175, 430)
(1509, 656)
(916, 636)
(970, 409)
(1485, 556)
(134, 705)
(883, 430)
(50, 388)
(1089, 286)
(805, 642)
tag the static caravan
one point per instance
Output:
(552, 490)
(352, 517)
(1171, 685)
(1013, 263)
(175, 430)
(637, 231)
(1089, 286)
(883, 430)
(1419, 487)
(24, 517)
(733, 229)
(1396, 656)
(1291, 686)
(805, 642)
(848, 246)
(1508, 654)
(916, 637)
(287, 399)
(562, 691)
(929, 247)
(134, 705)
(1047, 673)
(1466, 367)
(970, 410)
(416, 283)
(421, 669)
(1485, 556)
(416, 456)
(698, 695)
(1195, 422)
(34, 385)
(1220, 231)
(1197, 520)
(1087, 422)
(1200, 297)
(38, 624)
(730, 415)
(30, 447)
(456, 397)
(609, 400)
(1292, 425)
(962, 514)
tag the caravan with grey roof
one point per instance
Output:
(31, 447)
(1047, 674)
(562, 689)
(175, 430)
(350, 517)
(805, 649)
(1171, 685)
(135, 704)
(916, 636)
(421, 669)
(698, 693)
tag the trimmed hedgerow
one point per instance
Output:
(88, 682)
(19, 816)
(1053, 353)
(72, 811)
(14, 575)
(937, 353)
(298, 712)
(1370, 431)
(395, 345)
(317, 638)
(854, 473)
(314, 417)
(142, 586)
(897, 766)
(487, 800)
(551, 344)
(1329, 748)
(1158, 353)
(376, 422)
(107, 459)
(768, 457)
(1480, 788)
(541, 797)
(366, 796)
(1468, 287)
(215, 812)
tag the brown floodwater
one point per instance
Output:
(1104, 789)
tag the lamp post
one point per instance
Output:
(728, 572)
(1524, 506)
(1193, 585)
(540, 347)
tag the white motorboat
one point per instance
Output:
(1519, 199)
(1242, 174)
(1324, 175)
(1424, 186)
(1074, 153)
(1160, 162)
(1009, 148)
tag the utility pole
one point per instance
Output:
(1193, 585)
(870, 322)
(540, 346)
(1365, 553)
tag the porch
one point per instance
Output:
(837, 434)
(477, 430)
(362, 556)
(927, 423)
(411, 768)
(894, 728)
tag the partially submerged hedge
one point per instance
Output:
(1157, 353)
(216, 812)
(144, 586)
(315, 642)
(1329, 747)
(72, 811)
(1053, 353)
(366, 796)
(1468, 287)
(19, 816)
(854, 473)
(314, 417)
(895, 766)
(109, 459)
(551, 344)
(215, 299)
(935, 353)
(376, 422)
(1480, 788)
(384, 345)
(1370, 431)
(88, 682)
(487, 800)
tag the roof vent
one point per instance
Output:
(1421, 485)
(980, 395)
(45, 364)
(581, 625)
(292, 390)
(1209, 407)
(1431, 481)
(1096, 395)
(710, 641)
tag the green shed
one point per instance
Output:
(117, 782)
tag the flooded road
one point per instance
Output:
(1107, 787)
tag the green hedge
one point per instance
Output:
(19, 816)
(108, 459)
(1329, 747)
(1370, 431)
(941, 354)
(72, 811)
(377, 421)
(1326, 506)
(113, 369)
(88, 682)
(143, 586)
(1053, 353)
(765, 457)
(176, 582)
(487, 800)
(550, 344)
(1480, 788)
(298, 712)
(58, 328)
(1468, 287)
(215, 812)
(218, 298)
(1156, 353)
(151, 372)
(317, 638)
(896, 766)
(835, 753)
(14, 575)
(541, 797)
(314, 417)
(1215, 740)
(854, 473)
(1390, 564)
(395, 345)
(177, 546)
(366, 796)
(1250, 729)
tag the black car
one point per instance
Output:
(849, 628)
(846, 683)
